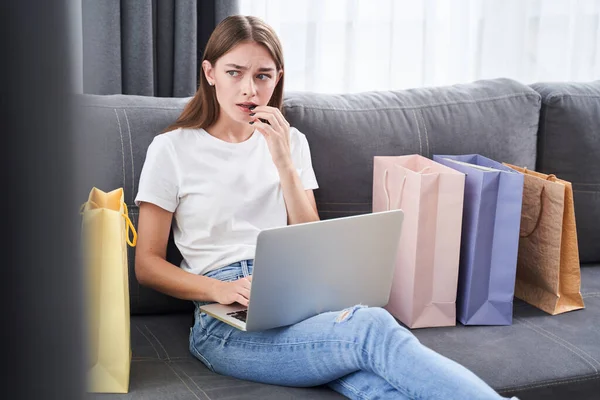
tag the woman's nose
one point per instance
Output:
(249, 88)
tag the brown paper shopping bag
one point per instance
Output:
(425, 280)
(105, 235)
(548, 270)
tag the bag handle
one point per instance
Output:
(130, 226)
(539, 217)
(385, 187)
(131, 242)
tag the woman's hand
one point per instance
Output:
(234, 291)
(276, 132)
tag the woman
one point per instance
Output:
(229, 167)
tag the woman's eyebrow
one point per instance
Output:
(263, 69)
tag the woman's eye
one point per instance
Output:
(233, 73)
(263, 77)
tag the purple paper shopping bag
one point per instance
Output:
(490, 239)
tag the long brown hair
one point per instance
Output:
(203, 109)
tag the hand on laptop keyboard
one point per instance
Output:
(231, 292)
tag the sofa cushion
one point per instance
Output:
(569, 145)
(539, 356)
(163, 368)
(495, 118)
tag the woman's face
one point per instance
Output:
(243, 77)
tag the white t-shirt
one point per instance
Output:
(222, 194)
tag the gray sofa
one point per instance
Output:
(552, 127)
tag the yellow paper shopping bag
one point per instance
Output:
(106, 228)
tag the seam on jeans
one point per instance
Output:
(229, 339)
(364, 395)
(182, 381)
(550, 383)
(426, 133)
(122, 145)
(131, 152)
(353, 389)
(419, 132)
(364, 351)
(533, 328)
(565, 341)
(420, 106)
(585, 296)
(161, 345)
(195, 384)
(149, 341)
(201, 357)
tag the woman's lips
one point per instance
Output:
(245, 109)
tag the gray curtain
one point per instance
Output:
(147, 47)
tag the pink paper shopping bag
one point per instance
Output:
(431, 195)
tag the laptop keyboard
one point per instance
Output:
(241, 315)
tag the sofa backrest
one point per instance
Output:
(569, 147)
(113, 135)
(495, 118)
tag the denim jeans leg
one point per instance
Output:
(364, 385)
(332, 345)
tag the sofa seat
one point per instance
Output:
(539, 356)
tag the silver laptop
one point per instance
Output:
(305, 269)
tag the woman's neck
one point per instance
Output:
(230, 131)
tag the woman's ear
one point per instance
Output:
(208, 72)
(279, 75)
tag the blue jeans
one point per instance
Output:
(361, 352)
